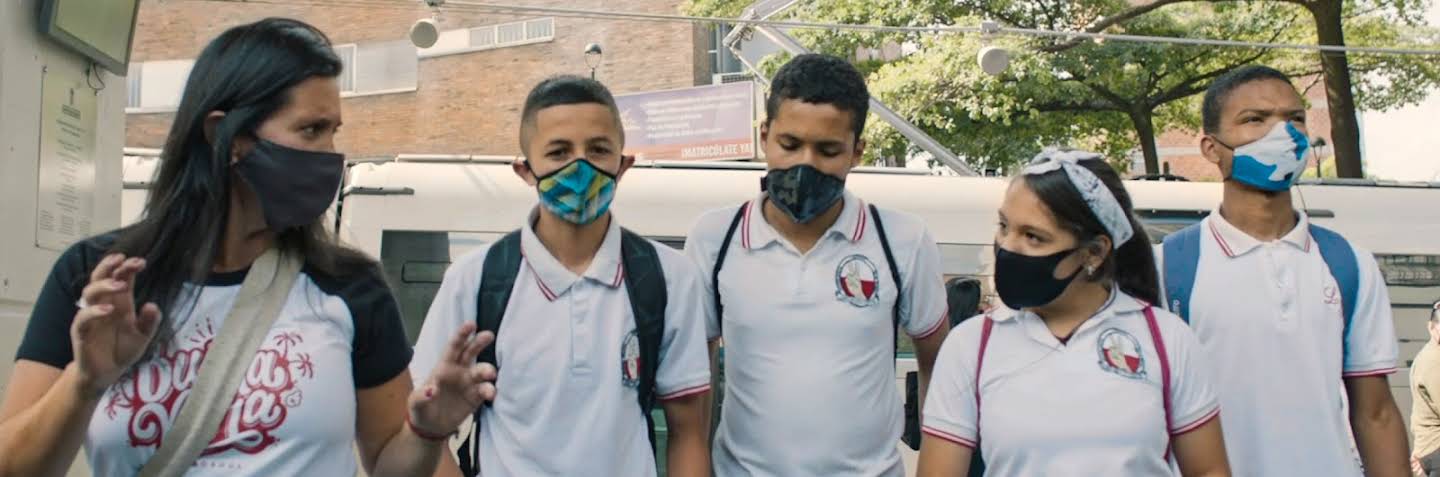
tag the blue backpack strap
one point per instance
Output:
(1344, 267)
(645, 285)
(1182, 258)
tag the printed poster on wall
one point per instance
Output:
(705, 123)
(66, 197)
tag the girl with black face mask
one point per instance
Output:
(116, 349)
(1077, 374)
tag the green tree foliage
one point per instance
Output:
(1113, 97)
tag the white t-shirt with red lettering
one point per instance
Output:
(294, 413)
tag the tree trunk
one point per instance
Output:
(1339, 91)
(1144, 120)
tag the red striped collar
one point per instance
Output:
(755, 232)
(1235, 242)
(553, 279)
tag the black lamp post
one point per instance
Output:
(593, 52)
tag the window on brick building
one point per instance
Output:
(510, 33)
(480, 37)
(385, 67)
(485, 37)
(722, 60)
(378, 68)
(155, 86)
(540, 29)
(347, 74)
(132, 85)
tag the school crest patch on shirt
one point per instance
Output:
(630, 360)
(1120, 354)
(857, 281)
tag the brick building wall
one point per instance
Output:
(465, 103)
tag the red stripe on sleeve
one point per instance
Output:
(944, 316)
(1201, 422)
(691, 391)
(1364, 374)
(939, 434)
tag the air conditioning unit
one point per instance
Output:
(725, 78)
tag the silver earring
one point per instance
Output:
(1090, 269)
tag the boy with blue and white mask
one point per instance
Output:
(1295, 318)
(590, 319)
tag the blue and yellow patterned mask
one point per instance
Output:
(578, 193)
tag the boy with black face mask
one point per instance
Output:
(590, 319)
(810, 286)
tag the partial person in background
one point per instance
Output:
(126, 319)
(1425, 411)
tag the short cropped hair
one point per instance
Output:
(1219, 91)
(821, 79)
(563, 90)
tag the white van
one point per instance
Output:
(418, 213)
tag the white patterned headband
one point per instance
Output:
(1101, 201)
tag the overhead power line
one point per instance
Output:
(463, 5)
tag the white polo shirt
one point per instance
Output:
(810, 374)
(1092, 406)
(1270, 319)
(566, 405)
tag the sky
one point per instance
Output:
(1403, 144)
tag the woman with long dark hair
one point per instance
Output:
(1078, 374)
(125, 320)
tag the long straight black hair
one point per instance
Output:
(248, 72)
(1132, 266)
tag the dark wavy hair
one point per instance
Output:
(1132, 266)
(248, 72)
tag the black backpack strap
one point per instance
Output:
(910, 435)
(894, 275)
(645, 284)
(497, 279)
(720, 260)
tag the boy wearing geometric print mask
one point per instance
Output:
(571, 346)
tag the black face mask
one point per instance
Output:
(802, 192)
(295, 187)
(1024, 281)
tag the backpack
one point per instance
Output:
(912, 422)
(644, 283)
(977, 461)
(1182, 258)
